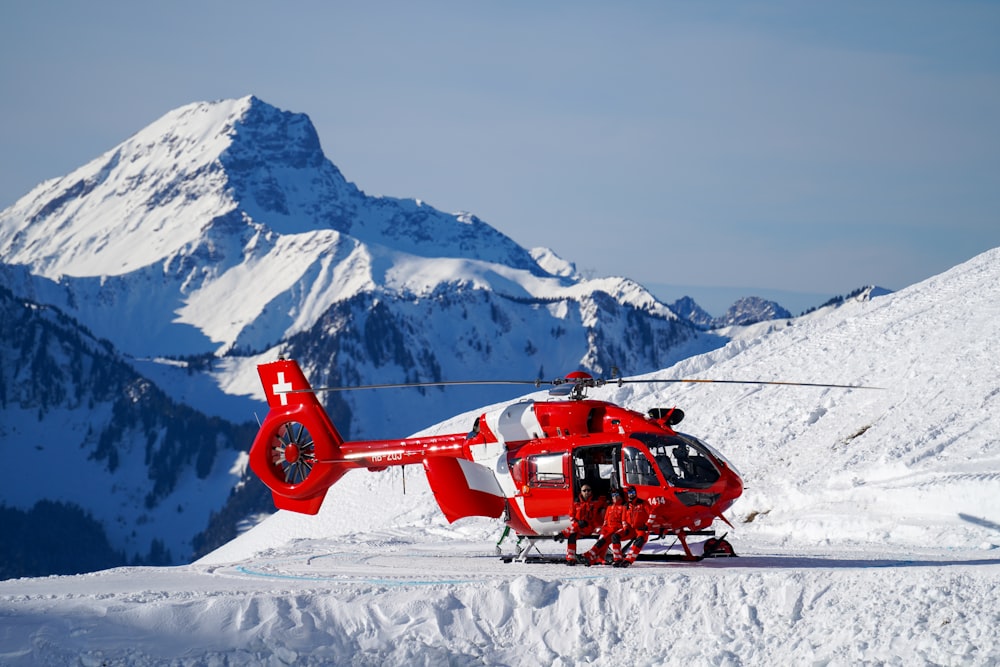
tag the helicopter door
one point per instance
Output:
(547, 485)
(598, 467)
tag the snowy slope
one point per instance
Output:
(868, 534)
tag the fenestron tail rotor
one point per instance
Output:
(294, 452)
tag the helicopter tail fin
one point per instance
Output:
(297, 452)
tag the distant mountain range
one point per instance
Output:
(141, 290)
(747, 310)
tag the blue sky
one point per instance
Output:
(789, 149)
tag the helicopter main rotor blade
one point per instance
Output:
(585, 382)
(404, 385)
(757, 382)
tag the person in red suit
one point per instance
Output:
(586, 517)
(609, 529)
(635, 527)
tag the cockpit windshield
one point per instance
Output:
(682, 460)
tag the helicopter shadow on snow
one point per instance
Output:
(806, 562)
(979, 521)
(793, 562)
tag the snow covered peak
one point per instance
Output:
(143, 201)
(752, 309)
(222, 225)
(278, 174)
(206, 179)
(553, 263)
(688, 308)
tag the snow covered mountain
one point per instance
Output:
(869, 533)
(222, 230)
(745, 311)
(689, 309)
(226, 222)
(750, 310)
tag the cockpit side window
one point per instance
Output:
(638, 469)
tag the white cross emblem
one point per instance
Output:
(281, 388)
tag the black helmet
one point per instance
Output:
(630, 492)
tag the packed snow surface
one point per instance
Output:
(868, 533)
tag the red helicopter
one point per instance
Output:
(524, 462)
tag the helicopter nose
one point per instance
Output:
(732, 491)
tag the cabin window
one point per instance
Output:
(547, 470)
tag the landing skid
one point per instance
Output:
(559, 560)
(714, 547)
